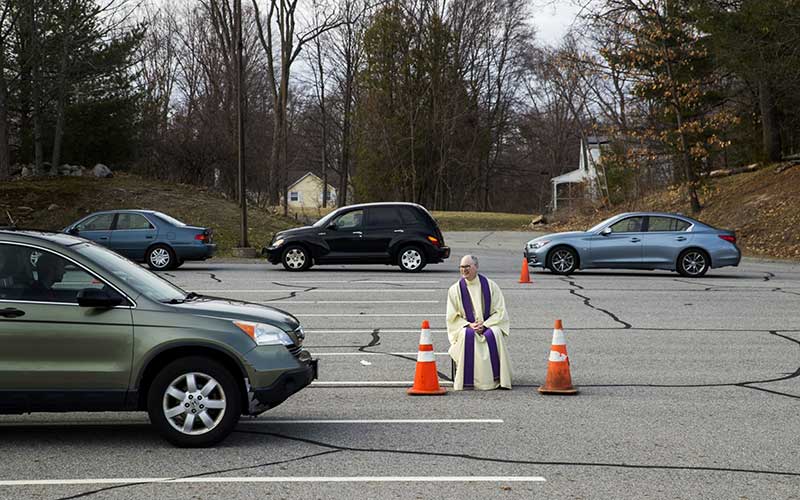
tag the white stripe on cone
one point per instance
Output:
(425, 337)
(557, 356)
(426, 357)
(558, 337)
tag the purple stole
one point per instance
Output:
(469, 340)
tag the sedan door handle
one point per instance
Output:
(148, 237)
(680, 238)
(103, 238)
(321, 234)
(11, 312)
(398, 231)
(635, 240)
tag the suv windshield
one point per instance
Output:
(325, 220)
(143, 281)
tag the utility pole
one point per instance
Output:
(237, 7)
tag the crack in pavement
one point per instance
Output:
(202, 474)
(291, 295)
(376, 340)
(214, 277)
(520, 462)
(481, 240)
(587, 302)
(768, 276)
(289, 285)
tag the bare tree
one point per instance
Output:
(8, 19)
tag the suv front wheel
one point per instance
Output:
(411, 259)
(194, 402)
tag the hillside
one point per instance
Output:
(54, 202)
(763, 207)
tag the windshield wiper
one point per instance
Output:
(192, 296)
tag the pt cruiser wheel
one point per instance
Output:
(693, 263)
(411, 259)
(296, 258)
(194, 402)
(562, 260)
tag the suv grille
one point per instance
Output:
(294, 349)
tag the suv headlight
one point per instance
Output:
(278, 242)
(538, 244)
(263, 334)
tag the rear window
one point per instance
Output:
(666, 224)
(384, 217)
(412, 216)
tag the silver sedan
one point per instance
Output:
(640, 240)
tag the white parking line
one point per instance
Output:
(374, 353)
(382, 421)
(275, 479)
(382, 331)
(289, 301)
(346, 290)
(359, 383)
(376, 315)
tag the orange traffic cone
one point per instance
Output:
(524, 276)
(558, 379)
(426, 378)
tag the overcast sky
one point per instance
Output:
(553, 19)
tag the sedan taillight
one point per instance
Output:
(728, 238)
(201, 237)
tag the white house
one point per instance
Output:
(585, 173)
(306, 192)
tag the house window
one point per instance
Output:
(294, 196)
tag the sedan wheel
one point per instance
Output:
(562, 261)
(296, 258)
(194, 402)
(411, 260)
(693, 263)
(160, 258)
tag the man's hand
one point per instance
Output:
(478, 327)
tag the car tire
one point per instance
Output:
(161, 258)
(296, 258)
(693, 263)
(562, 260)
(411, 259)
(169, 412)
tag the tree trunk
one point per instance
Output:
(770, 122)
(61, 103)
(5, 160)
(36, 93)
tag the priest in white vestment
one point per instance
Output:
(477, 326)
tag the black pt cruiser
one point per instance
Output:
(402, 234)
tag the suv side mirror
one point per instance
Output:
(331, 226)
(606, 231)
(95, 297)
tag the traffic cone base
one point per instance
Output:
(524, 274)
(426, 377)
(559, 380)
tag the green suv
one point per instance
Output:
(84, 329)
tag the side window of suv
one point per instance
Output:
(386, 217)
(46, 278)
(350, 220)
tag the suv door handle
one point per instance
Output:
(358, 233)
(635, 240)
(398, 231)
(11, 312)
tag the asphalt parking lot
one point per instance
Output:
(689, 388)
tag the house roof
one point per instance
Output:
(303, 177)
(597, 139)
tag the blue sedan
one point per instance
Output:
(146, 236)
(641, 240)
